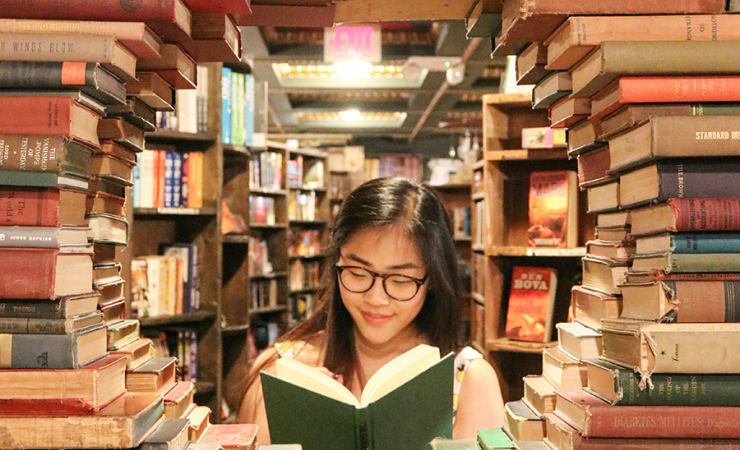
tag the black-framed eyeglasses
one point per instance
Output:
(398, 287)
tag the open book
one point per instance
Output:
(405, 404)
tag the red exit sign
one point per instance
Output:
(352, 43)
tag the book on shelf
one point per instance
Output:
(584, 137)
(104, 49)
(603, 275)
(123, 132)
(559, 434)
(179, 399)
(45, 272)
(127, 421)
(550, 89)
(454, 444)
(493, 438)
(216, 38)
(590, 306)
(59, 309)
(95, 386)
(593, 168)
(242, 436)
(114, 311)
(578, 36)
(153, 90)
(562, 370)
(543, 137)
(687, 214)
(686, 262)
(374, 419)
(43, 237)
(593, 417)
(122, 333)
(521, 423)
(188, 255)
(170, 434)
(45, 153)
(613, 233)
(603, 198)
(102, 203)
(238, 102)
(156, 376)
(107, 228)
(33, 325)
(617, 251)
(614, 219)
(261, 210)
(553, 209)
(579, 341)
(264, 293)
(539, 394)
(648, 347)
(43, 179)
(199, 418)
(531, 304)
(611, 60)
(136, 111)
(568, 111)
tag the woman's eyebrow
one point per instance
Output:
(356, 258)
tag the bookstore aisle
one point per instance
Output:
(648, 95)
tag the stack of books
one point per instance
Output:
(78, 89)
(650, 104)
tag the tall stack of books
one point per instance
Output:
(78, 89)
(650, 103)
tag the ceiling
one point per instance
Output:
(402, 109)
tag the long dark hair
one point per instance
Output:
(380, 203)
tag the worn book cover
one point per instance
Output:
(242, 436)
(531, 304)
(420, 406)
(171, 434)
(553, 209)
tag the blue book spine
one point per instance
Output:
(169, 164)
(249, 111)
(137, 186)
(226, 105)
(706, 243)
(177, 180)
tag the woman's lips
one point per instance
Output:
(375, 319)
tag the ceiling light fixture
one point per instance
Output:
(349, 115)
(352, 69)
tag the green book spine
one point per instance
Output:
(704, 262)
(678, 389)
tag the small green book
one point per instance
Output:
(405, 405)
(494, 439)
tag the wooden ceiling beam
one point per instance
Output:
(287, 16)
(357, 11)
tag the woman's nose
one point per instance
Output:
(377, 295)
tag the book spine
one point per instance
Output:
(679, 89)
(35, 115)
(176, 180)
(30, 237)
(46, 74)
(663, 422)
(705, 243)
(56, 47)
(596, 7)
(698, 180)
(35, 351)
(226, 105)
(678, 389)
(705, 262)
(27, 273)
(705, 214)
(29, 207)
(136, 194)
(669, 57)
(34, 310)
(184, 180)
(169, 180)
(113, 10)
(33, 326)
(655, 444)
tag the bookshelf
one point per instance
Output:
(502, 192)
(222, 320)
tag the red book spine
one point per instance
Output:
(35, 115)
(29, 207)
(663, 422)
(27, 272)
(679, 89)
(113, 10)
(706, 214)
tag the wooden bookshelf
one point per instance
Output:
(505, 173)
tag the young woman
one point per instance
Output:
(392, 284)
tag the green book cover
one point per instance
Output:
(408, 417)
(494, 438)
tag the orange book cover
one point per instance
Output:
(531, 303)
(553, 210)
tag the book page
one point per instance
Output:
(309, 378)
(399, 371)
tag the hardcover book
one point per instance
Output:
(414, 382)
(687, 214)
(156, 376)
(171, 434)
(61, 308)
(242, 436)
(590, 306)
(553, 209)
(137, 353)
(579, 341)
(153, 90)
(36, 206)
(23, 325)
(49, 424)
(179, 399)
(562, 370)
(521, 423)
(494, 438)
(539, 394)
(531, 304)
(34, 273)
(551, 89)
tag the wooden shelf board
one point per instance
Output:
(235, 239)
(511, 250)
(270, 192)
(307, 222)
(307, 290)
(175, 211)
(313, 153)
(507, 345)
(451, 187)
(277, 226)
(268, 309)
(526, 154)
(239, 150)
(302, 188)
(269, 276)
(316, 256)
(234, 329)
(172, 135)
(198, 316)
(478, 298)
